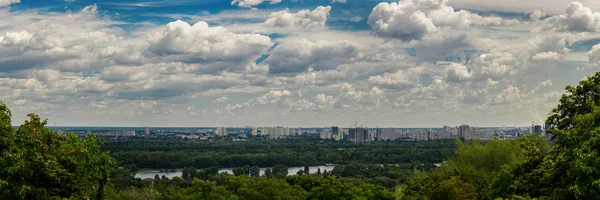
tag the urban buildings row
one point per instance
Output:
(272, 132)
(357, 134)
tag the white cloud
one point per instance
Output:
(547, 56)
(300, 55)
(8, 2)
(339, 1)
(401, 79)
(520, 6)
(436, 47)
(578, 18)
(220, 100)
(457, 73)
(303, 18)
(252, 3)
(273, 96)
(414, 19)
(594, 55)
(59, 65)
(536, 15)
(507, 96)
(199, 43)
(401, 20)
(324, 102)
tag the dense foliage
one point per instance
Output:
(528, 167)
(169, 154)
(37, 163)
(223, 186)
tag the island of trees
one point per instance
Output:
(37, 163)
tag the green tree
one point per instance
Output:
(268, 172)
(237, 171)
(280, 171)
(189, 173)
(331, 188)
(202, 190)
(570, 169)
(469, 174)
(146, 193)
(131, 167)
(37, 163)
(255, 171)
(263, 188)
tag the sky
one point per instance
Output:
(297, 63)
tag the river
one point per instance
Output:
(170, 175)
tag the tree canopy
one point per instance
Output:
(37, 163)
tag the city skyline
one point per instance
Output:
(192, 63)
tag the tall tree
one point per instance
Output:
(268, 172)
(37, 163)
(280, 171)
(255, 171)
(570, 170)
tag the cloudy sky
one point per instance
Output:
(409, 63)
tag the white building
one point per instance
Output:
(387, 134)
(221, 131)
(273, 132)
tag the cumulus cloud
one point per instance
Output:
(273, 96)
(594, 55)
(401, 79)
(437, 47)
(578, 18)
(66, 63)
(547, 56)
(252, 3)
(339, 1)
(549, 47)
(536, 15)
(303, 18)
(200, 43)
(507, 96)
(324, 101)
(414, 19)
(8, 2)
(220, 100)
(457, 73)
(519, 6)
(65, 42)
(300, 55)
(350, 97)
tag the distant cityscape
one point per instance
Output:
(354, 134)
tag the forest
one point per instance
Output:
(37, 163)
(172, 154)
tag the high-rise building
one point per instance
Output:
(272, 132)
(254, 131)
(324, 135)
(537, 129)
(147, 131)
(358, 134)
(387, 134)
(221, 131)
(463, 131)
(335, 130)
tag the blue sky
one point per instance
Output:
(411, 63)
